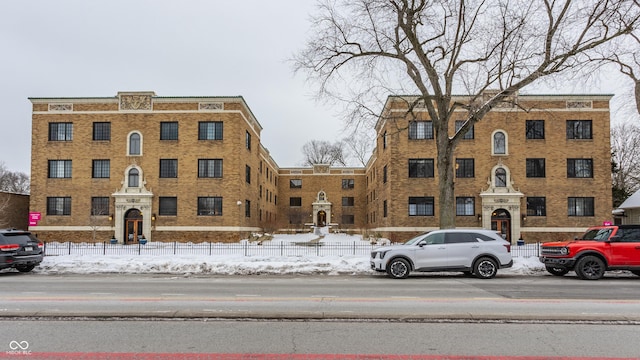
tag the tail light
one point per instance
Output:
(9, 247)
(508, 246)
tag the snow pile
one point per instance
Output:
(241, 265)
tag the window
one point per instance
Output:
(168, 205)
(579, 129)
(579, 168)
(295, 183)
(348, 219)
(295, 201)
(101, 169)
(465, 206)
(501, 177)
(135, 147)
(59, 169)
(134, 178)
(384, 208)
(384, 174)
(534, 129)
(581, 206)
(210, 130)
(209, 168)
(60, 131)
(384, 140)
(347, 201)
(420, 130)
(247, 140)
(499, 143)
(465, 168)
(420, 168)
(347, 183)
(536, 206)
(99, 205)
(421, 206)
(168, 168)
(210, 206)
(247, 208)
(169, 130)
(469, 134)
(247, 174)
(101, 131)
(535, 168)
(59, 206)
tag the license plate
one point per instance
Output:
(28, 248)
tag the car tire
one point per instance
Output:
(557, 271)
(25, 268)
(590, 268)
(398, 268)
(485, 268)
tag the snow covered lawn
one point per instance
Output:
(239, 264)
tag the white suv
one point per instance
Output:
(477, 252)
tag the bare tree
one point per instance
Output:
(625, 145)
(14, 182)
(323, 152)
(359, 147)
(364, 50)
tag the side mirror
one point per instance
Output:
(422, 243)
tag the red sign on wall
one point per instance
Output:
(34, 217)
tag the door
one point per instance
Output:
(433, 254)
(133, 226)
(322, 218)
(501, 222)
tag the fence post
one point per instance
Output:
(246, 248)
(104, 248)
(175, 247)
(139, 246)
(318, 248)
(210, 249)
(69, 247)
(281, 249)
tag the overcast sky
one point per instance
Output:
(95, 48)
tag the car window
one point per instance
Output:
(484, 237)
(629, 235)
(460, 237)
(19, 238)
(597, 234)
(415, 239)
(433, 239)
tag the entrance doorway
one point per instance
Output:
(133, 226)
(322, 218)
(501, 222)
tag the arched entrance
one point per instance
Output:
(322, 218)
(133, 226)
(501, 222)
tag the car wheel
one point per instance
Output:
(557, 271)
(485, 268)
(398, 268)
(590, 268)
(25, 268)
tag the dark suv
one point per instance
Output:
(20, 250)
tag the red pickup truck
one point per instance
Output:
(601, 248)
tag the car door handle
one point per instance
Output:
(441, 248)
(475, 246)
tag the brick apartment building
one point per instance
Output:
(194, 169)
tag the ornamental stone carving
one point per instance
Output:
(579, 105)
(135, 102)
(211, 106)
(60, 107)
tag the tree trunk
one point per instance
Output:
(445, 177)
(637, 94)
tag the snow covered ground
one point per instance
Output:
(238, 264)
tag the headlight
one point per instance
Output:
(383, 253)
(564, 251)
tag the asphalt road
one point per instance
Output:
(419, 298)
